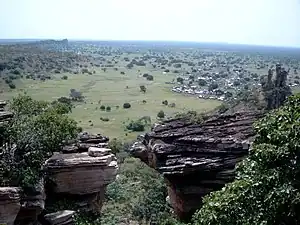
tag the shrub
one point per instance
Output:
(139, 193)
(161, 114)
(102, 107)
(115, 145)
(165, 102)
(136, 126)
(65, 77)
(150, 77)
(126, 105)
(108, 108)
(105, 119)
(12, 85)
(143, 88)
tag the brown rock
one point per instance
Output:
(9, 204)
(64, 217)
(79, 173)
(196, 159)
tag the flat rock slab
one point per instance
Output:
(60, 218)
(80, 173)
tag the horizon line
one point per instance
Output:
(139, 40)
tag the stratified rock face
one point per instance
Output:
(82, 176)
(81, 173)
(64, 217)
(84, 141)
(196, 159)
(9, 205)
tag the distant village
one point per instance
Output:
(224, 88)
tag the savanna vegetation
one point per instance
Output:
(120, 91)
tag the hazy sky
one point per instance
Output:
(264, 22)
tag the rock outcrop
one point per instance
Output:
(9, 204)
(83, 176)
(64, 217)
(79, 172)
(196, 159)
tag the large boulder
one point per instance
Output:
(9, 205)
(83, 176)
(196, 159)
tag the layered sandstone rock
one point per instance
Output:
(83, 177)
(9, 204)
(196, 159)
(64, 217)
(84, 141)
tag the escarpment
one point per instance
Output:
(196, 159)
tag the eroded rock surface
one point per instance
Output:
(196, 159)
(64, 217)
(9, 205)
(82, 176)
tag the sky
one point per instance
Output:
(259, 22)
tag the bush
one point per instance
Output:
(137, 126)
(108, 108)
(165, 102)
(102, 107)
(105, 119)
(115, 145)
(126, 105)
(161, 114)
(150, 77)
(266, 189)
(37, 129)
(138, 194)
(65, 77)
(12, 85)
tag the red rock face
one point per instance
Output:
(197, 159)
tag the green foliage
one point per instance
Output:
(161, 114)
(140, 124)
(138, 194)
(115, 145)
(165, 102)
(143, 88)
(126, 105)
(37, 130)
(266, 190)
(191, 116)
(137, 126)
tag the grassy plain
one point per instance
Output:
(113, 89)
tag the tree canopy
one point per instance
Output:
(37, 130)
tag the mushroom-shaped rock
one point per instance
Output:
(81, 173)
